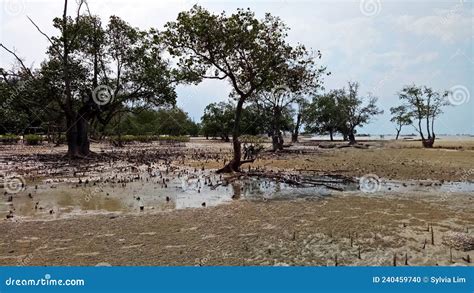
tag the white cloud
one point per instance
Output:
(447, 27)
(401, 60)
(401, 45)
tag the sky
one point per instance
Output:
(383, 45)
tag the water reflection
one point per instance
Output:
(146, 193)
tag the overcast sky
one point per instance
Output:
(383, 45)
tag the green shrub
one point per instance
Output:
(145, 138)
(149, 138)
(61, 139)
(126, 138)
(33, 139)
(57, 138)
(172, 139)
(9, 139)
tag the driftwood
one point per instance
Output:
(327, 146)
(357, 146)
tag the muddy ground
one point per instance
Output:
(344, 228)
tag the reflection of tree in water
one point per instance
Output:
(237, 190)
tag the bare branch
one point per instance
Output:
(215, 77)
(46, 36)
(18, 59)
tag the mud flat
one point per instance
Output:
(338, 230)
(155, 205)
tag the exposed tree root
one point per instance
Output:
(233, 167)
(330, 181)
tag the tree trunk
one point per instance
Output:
(331, 137)
(352, 139)
(429, 142)
(83, 142)
(77, 124)
(234, 164)
(274, 141)
(398, 133)
(277, 141)
(280, 140)
(277, 138)
(71, 136)
(294, 135)
(420, 130)
(428, 122)
(426, 142)
(77, 133)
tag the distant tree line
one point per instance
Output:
(174, 122)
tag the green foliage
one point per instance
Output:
(174, 122)
(323, 114)
(59, 139)
(149, 138)
(246, 51)
(174, 138)
(218, 120)
(356, 110)
(85, 54)
(23, 102)
(423, 105)
(401, 117)
(9, 139)
(340, 110)
(256, 119)
(251, 54)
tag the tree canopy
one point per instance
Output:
(251, 54)
(94, 72)
(401, 117)
(424, 105)
(341, 110)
